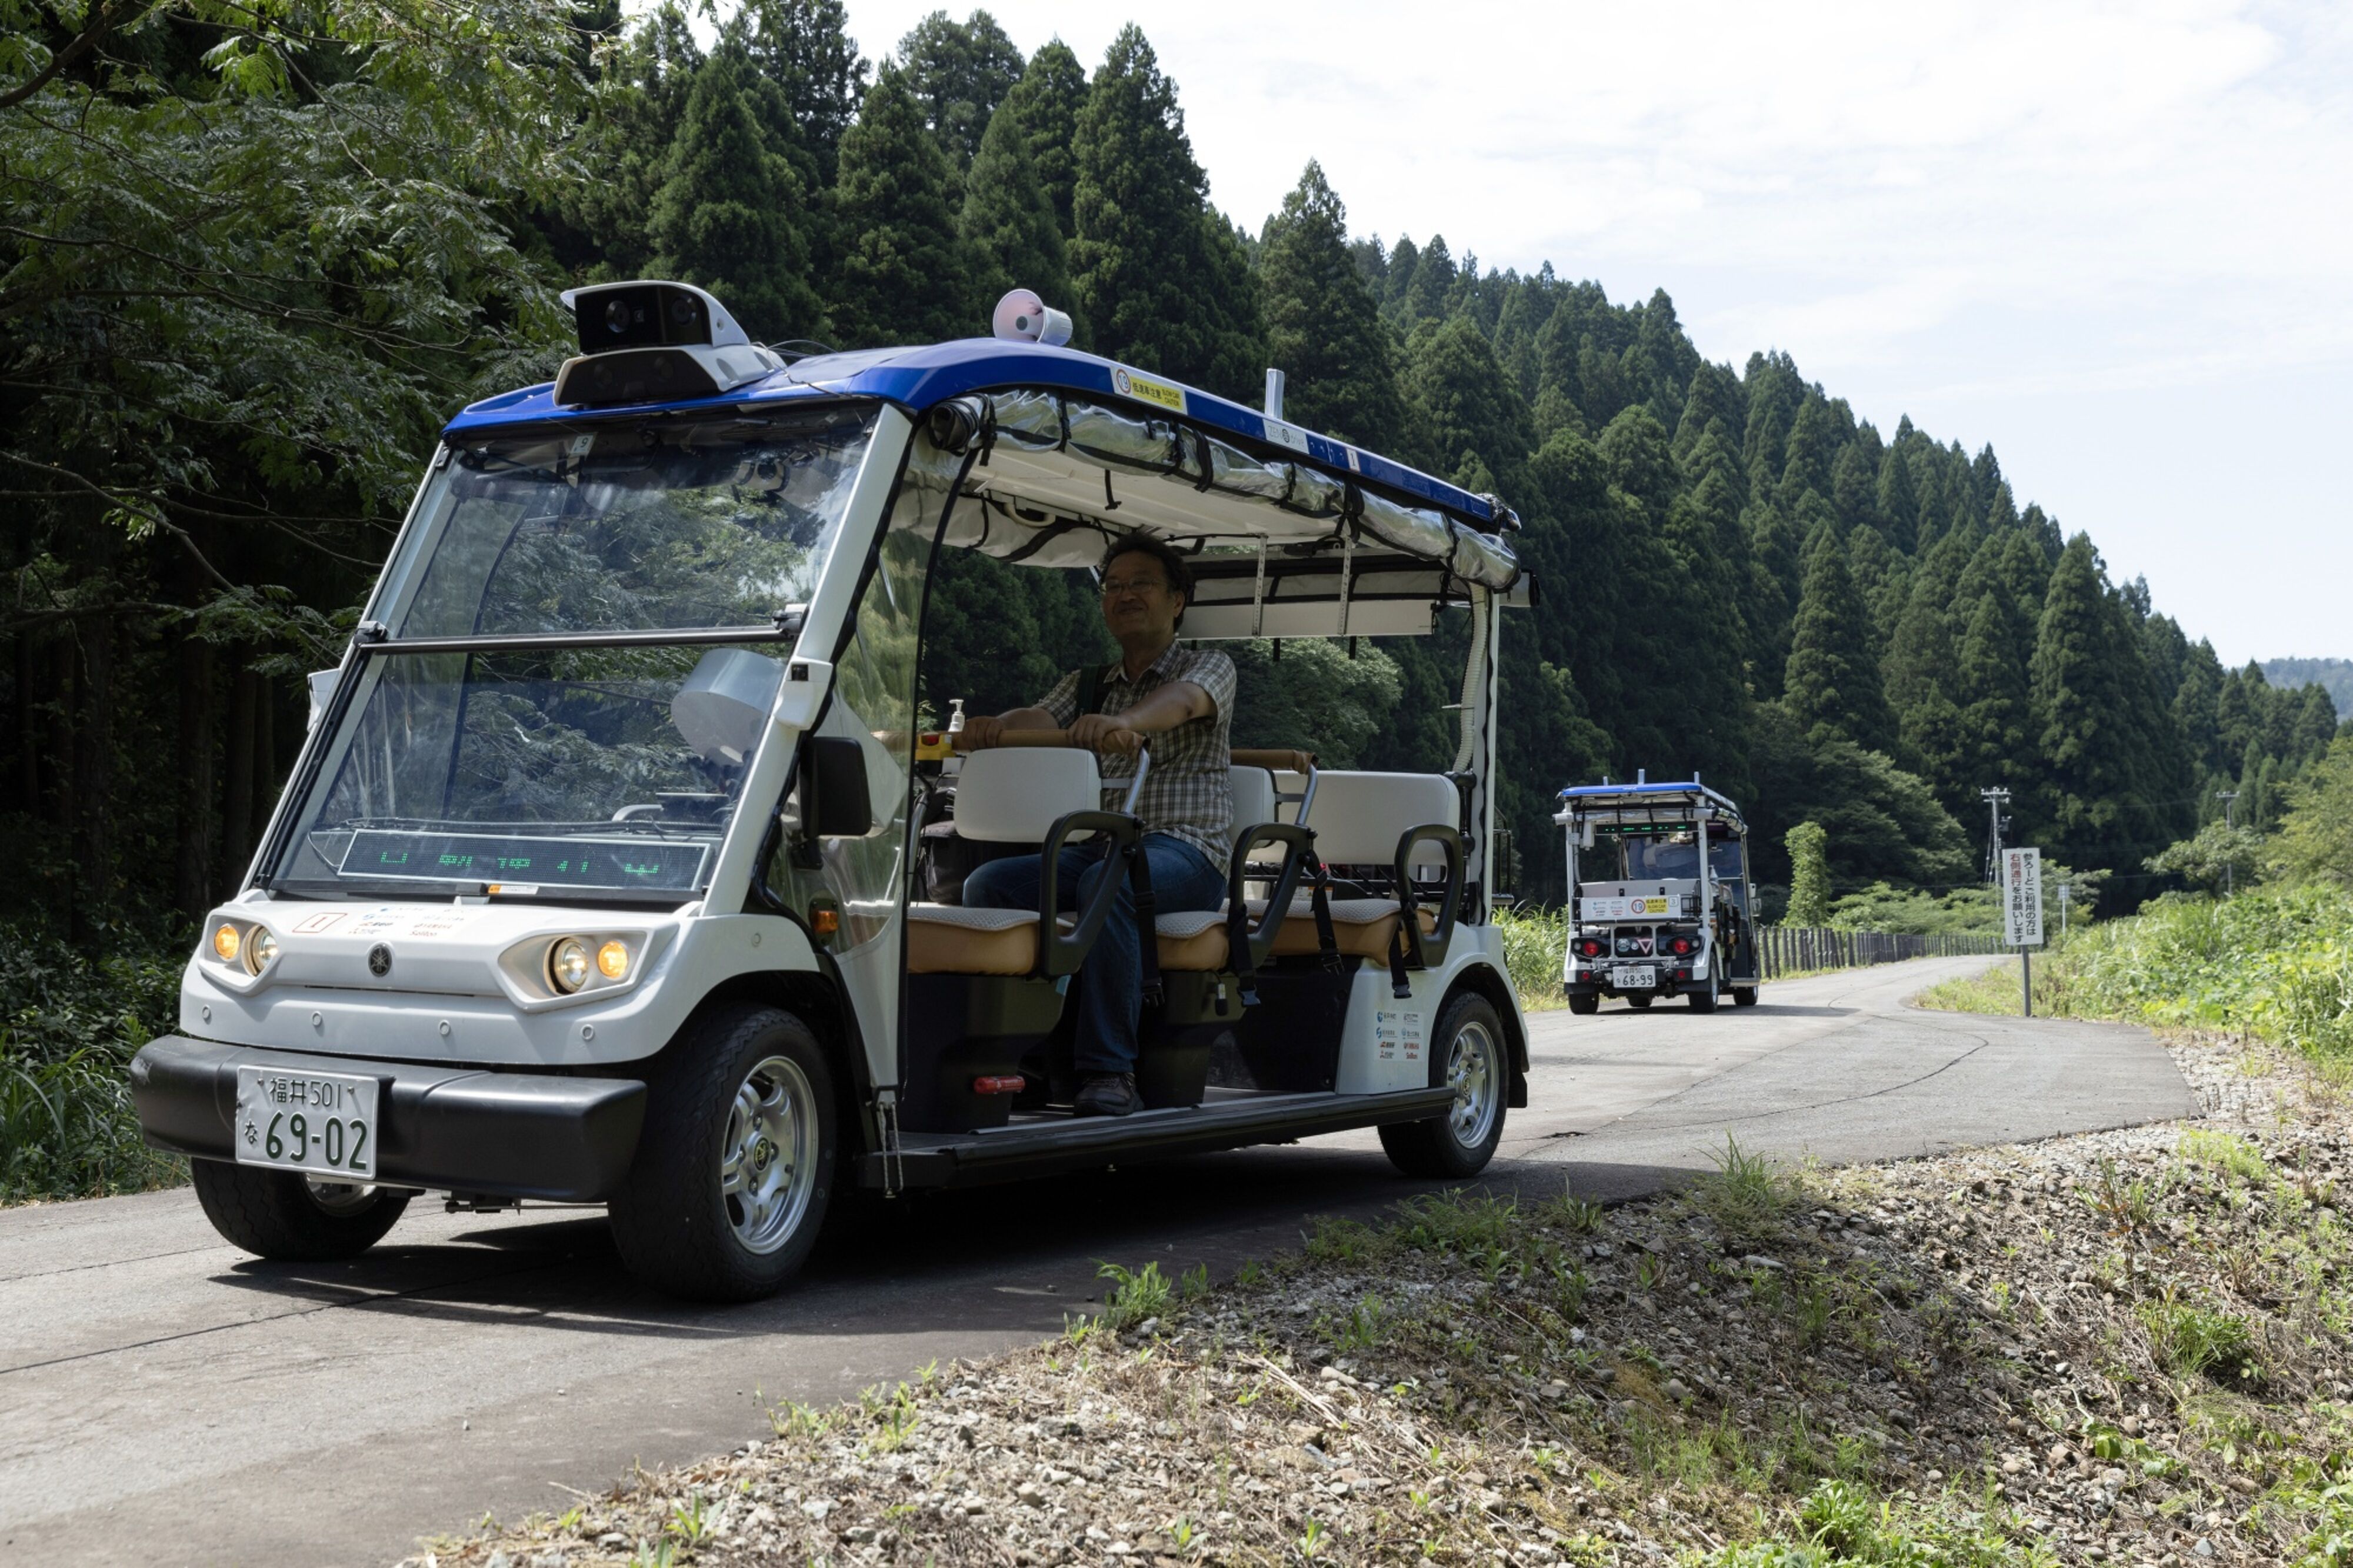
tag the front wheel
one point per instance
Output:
(290, 1217)
(1590, 1002)
(735, 1167)
(1640, 998)
(1468, 1058)
(1744, 995)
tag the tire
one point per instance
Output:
(1705, 1001)
(1640, 998)
(1589, 1003)
(1470, 1055)
(737, 1163)
(286, 1216)
(1744, 995)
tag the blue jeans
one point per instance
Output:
(1111, 981)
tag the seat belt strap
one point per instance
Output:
(1399, 986)
(1238, 951)
(1147, 924)
(1319, 898)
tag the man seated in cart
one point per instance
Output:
(1180, 702)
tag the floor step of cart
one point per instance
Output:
(1046, 1144)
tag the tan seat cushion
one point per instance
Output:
(948, 938)
(1363, 928)
(1192, 940)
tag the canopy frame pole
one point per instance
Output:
(1348, 575)
(1258, 590)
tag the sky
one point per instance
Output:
(2113, 241)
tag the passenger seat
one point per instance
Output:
(1005, 795)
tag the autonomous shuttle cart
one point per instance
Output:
(1659, 896)
(596, 880)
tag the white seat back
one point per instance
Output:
(1360, 816)
(1012, 795)
(1253, 797)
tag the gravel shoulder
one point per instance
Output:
(2114, 1347)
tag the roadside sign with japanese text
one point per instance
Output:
(2021, 897)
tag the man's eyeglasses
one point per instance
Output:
(1113, 586)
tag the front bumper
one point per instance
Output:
(463, 1129)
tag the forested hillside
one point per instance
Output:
(249, 269)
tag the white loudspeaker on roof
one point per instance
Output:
(1023, 317)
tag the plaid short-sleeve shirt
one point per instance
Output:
(1188, 791)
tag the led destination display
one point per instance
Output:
(378, 853)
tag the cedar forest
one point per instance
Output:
(251, 265)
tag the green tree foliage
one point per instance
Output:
(1046, 103)
(599, 227)
(1833, 685)
(1324, 327)
(2315, 839)
(725, 216)
(1809, 875)
(1008, 224)
(1162, 278)
(903, 274)
(960, 72)
(804, 47)
(2216, 856)
(252, 259)
(2112, 785)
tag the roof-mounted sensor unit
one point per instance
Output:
(656, 342)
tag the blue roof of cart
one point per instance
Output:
(1642, 788)
(919, 378)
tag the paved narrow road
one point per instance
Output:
(167, 1399)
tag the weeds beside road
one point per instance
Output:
(68, 1029)
(2277, 964)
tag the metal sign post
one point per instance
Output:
(2022, 911)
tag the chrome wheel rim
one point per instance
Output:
(1471, 1073)
(767, 1161)
(340, 1198)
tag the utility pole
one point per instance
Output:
(2229, 881)
(2066, 891)
(1995, 800)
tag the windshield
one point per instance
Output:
(1660, 860)
(673, 524)
(612, 771)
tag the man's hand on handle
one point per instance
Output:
(980, 732)
(1105, 732)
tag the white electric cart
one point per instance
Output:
(594, 880)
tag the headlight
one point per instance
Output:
(260, 949)
(613, 960)
(568, 965)
(226, 942)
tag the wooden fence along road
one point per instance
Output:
(1793, 950)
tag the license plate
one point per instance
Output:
(320, 1123)
(1634, 979)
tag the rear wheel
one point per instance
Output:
(1589, 1003)
(1703, 999)
(1468, 1059)
(286, 1215)
(735, 1167)
(1744, 995)
(1640, 998)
